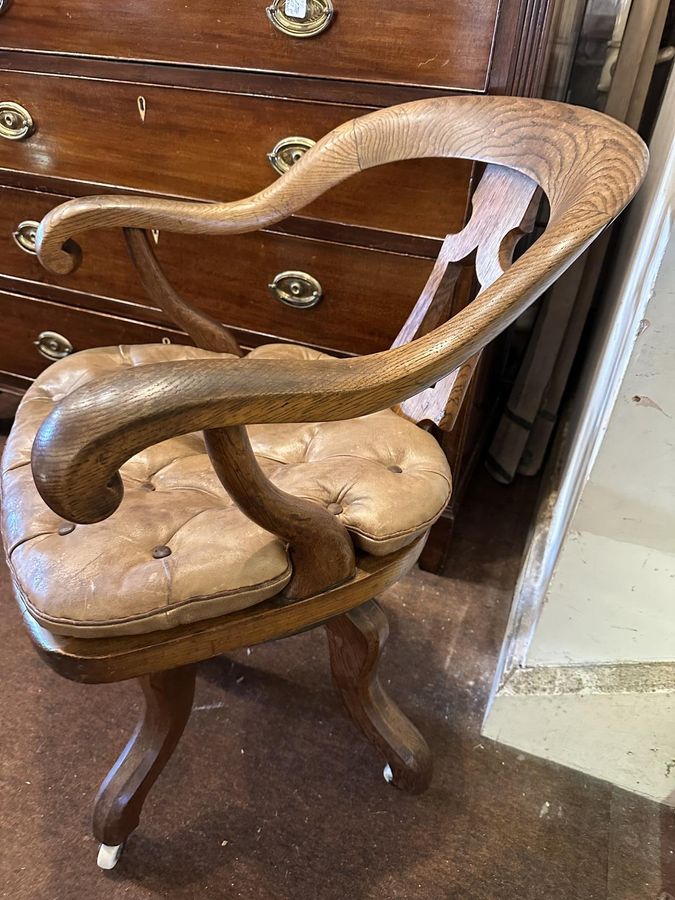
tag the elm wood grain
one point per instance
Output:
(367, 294)
(355, 641)
(448, 842)
(211, 145)
(23, 318)
(477, 415)
(588, 165)
(168, 703)
(333, 232)
(455, 394)
(473, 403)
(104, 660)
(321, 551)
(204, 330)
(301, 524)
(502, 77)
(504, 207)
(448, 44)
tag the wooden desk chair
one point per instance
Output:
(248, 534)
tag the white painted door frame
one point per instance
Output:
(646, 230)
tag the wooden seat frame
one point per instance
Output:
(588, 166)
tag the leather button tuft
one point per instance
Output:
(67, 528)
(147, 486)
(396, 469)
(334, 508)
(161, 551)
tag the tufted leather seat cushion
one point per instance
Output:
(178, 550)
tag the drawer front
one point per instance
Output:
(25, 320)
(367, 294)
(213, 146)
(447, 43)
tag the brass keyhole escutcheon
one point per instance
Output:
(4, 6)
(16, 123)
(53, 345)
(288, 151)
(297, 289)
(24, 236)
(318, 14)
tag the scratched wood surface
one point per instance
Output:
(449, 43)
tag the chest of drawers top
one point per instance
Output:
(449, 44)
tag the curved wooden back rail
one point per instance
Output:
(588, 165)
(560, 147)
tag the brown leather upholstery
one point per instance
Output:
(178, 550)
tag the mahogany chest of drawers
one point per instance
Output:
(211, 100)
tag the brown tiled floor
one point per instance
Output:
(272, 793)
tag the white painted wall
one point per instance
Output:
(585, 697)
(587, 673)
(612, 595)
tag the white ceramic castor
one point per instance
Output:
(388, 774)
(109, 855)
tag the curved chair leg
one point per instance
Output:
(355, 641)
(117, 810)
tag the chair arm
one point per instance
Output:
(89, 434)
(87, 437)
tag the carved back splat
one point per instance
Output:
(504, 206)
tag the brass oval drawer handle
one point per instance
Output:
(16, 123)
(53, 345)
(24, 236)
(296, 289)
(301, 18)
(288, 151)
